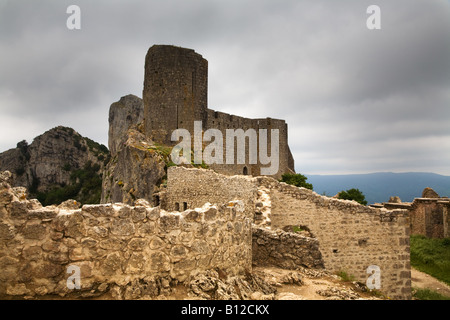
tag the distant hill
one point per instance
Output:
(379, 187)
(58, 165)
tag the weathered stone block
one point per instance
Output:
(138, 244)
(17, 290)
(89, 242)
(112, 262)
(159, 261)
(210, 214)
(58, 258)
(18, 210)
(99, 231)
(178, 253)
(124, 212)
(139, 214)
(47, 270)
(99, 210)
(153, 213)
(75, 226)
(123, 227)
(168, 222)
(113, 244)
(42, 214)
(33, 253)
(7, 232)
(34, 231)
(156, 243)
(136, 263)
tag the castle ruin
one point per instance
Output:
(175, 95)
(202, 221)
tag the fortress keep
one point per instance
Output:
(175, 95)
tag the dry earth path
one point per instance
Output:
(422, 280)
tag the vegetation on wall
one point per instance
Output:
(353, 194)
(297, 180)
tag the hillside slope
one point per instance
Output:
(57, 165)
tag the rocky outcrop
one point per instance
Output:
(51, 159)
(137, 165)
(123, 114)
(135, 172)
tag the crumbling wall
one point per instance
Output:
(128, 251)
(284, 249)
(352, 237)
(429, 217)
(189, 188)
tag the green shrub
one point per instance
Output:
(353, 194)
(297, 180)
(345, 276)
(85, 187)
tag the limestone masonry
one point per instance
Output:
(351, 236)
(429, 214)
(135, 251)
(128, 251)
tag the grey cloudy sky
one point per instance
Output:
(356, 100)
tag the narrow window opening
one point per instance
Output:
(156, 201)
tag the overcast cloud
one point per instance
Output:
(355, 100)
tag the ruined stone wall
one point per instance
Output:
(428, 217)
(352, 237)
(223, 121)
(284, 249)
(128, 251)
(191, 188)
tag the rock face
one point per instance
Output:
(137, 165)
(51, 158)
(123, 114)
(135, 172)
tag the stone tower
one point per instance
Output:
(175, 91)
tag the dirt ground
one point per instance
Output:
(424, 281)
